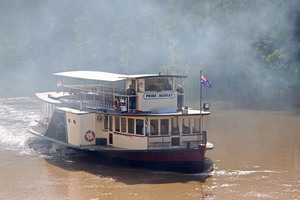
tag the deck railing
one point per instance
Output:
(93, 98)
(96, 97)
(177, 141)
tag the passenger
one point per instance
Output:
(179, 96)
(130, 91)
(167, 85)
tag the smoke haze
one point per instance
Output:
(249, 50)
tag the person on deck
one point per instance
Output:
(179, 96)
(167, 85)
(130, 91)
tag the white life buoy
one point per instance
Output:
(89, 136)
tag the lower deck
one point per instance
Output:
(112, 129)
(168, 141)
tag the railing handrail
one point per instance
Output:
(201, 139)
(93, 91)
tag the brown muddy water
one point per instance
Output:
(256, 156)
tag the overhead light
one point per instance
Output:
(206, 106)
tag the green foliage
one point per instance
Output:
(264, 49)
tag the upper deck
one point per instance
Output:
(153, 93)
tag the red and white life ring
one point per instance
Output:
(89, 136)
(116, 104)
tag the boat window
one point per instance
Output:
(123, 125)
(175, 127)
(158, 84)
(131, 125)
(140, 127)
(154, 127)
(196, 126)
(117, 124)
(164, 126)
(110, 123)
(150, 85)
(186, 126)
(167, 84)
(105, 122)
(140, 87)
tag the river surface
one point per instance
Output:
(256, 156)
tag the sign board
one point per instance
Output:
(159, 96)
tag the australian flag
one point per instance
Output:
(204, 81)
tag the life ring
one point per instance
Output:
(116, 104)
(89, 136)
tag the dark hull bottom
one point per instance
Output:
(175, 165)
(182, 167)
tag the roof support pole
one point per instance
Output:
(84, 93)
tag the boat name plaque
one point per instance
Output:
(159, 96)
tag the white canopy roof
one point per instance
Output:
(92, 75)
(106, 76)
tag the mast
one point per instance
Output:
(200, 122)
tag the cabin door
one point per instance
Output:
(133, 84)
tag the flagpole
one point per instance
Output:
(200, 123)
(200, 90)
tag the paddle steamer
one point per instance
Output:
(93, 111)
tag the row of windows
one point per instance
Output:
(158, 84)
(157, 126)
(122, 123)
